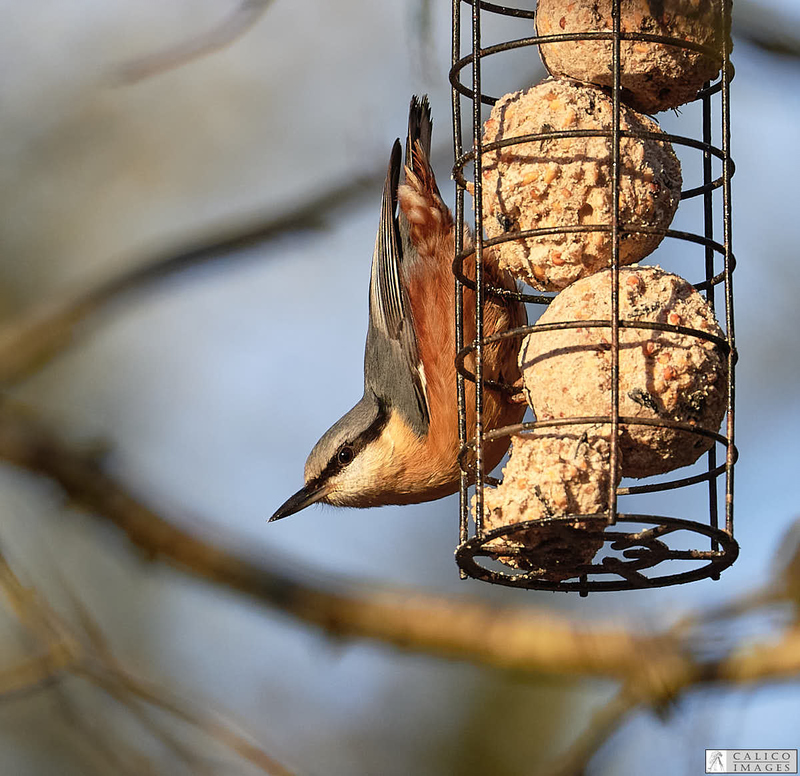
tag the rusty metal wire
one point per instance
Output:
(640, 550)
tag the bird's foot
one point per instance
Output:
(517, 394)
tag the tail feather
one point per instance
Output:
(423, 211)
(420, 128)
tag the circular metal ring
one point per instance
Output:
(630, 554)
(538, 40)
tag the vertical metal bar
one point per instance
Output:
(615, 239)
(729, 260)
(463, 529)
(708, 231)
(477, 126)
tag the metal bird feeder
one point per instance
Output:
(639, 549)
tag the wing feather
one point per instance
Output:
(392, 367)
(386, 290)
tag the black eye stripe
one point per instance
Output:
(371, 433)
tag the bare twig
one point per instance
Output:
(121, 684)
(100, 753)
(108, 682)
(92, 659)
(63, 654)
(603, 724)
(766, 27)
(36, 672)
(759, 25)
(39, 619)
(39, 334)
(36, 336)
(236, 24)
(106, 677)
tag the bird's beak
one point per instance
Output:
(307, 495)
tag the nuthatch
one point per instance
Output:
(399, 444)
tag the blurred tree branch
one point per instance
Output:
(30, 340)
(35, 672)
(522, 640)
(519, 639)
(759, 25)
(765, 28)
(601, 727)
(236, 24)
(85, 653)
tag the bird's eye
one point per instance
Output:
(345, 455)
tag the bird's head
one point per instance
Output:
(348, 465)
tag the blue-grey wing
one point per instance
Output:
(393, 370)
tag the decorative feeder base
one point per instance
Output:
(631, 558)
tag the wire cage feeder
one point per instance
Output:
(637, 549)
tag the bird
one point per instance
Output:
(399, 444)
